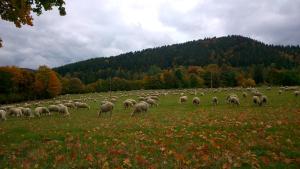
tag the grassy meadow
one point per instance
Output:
(171, 135)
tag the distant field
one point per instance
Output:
(171, 135)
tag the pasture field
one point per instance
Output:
(171, 135)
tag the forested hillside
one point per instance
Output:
(216, 62)
(234, 51)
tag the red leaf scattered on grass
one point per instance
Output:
(89, 157)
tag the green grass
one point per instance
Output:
(171, 135)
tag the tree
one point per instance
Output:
(20, 11)
(54, 85)
(212, 69)
(196, 81)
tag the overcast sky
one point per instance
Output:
(100, 28)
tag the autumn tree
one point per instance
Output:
(54, 85)
(20, 11)
(47, 83)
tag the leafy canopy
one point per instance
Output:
(20, 11)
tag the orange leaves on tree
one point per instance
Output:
(54, 85)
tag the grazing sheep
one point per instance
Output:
(154, 97)
(228, 98)
(81, 105)
(27, 112)
(256, 100)
(113, 100)
(132, 101)
(53, 108)
(245, 94)
(196, 100)
(106, 107)
(63, 110)
(280, 92)
(70, 105)
(264, 99)
(127, 104)
(234, 100)
(297, 93)
(183, 99)
(41, 110)
(151, 102)
(3, 115)
(140, 107)
(15, 112)
(215, 101)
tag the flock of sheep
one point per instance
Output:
(143, 103)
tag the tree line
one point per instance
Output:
(19, 84)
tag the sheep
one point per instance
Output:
(215, 101)
(228, 98)
(183, 99)
(106, 107)
(132, 101)
(2, 115)
(154, 97)
(41, 110)
(113, 100)
(264, 99)
(245, 94)
(70, 105)
(81, 105)
(63, 110)
(53, 108)
(280, 92)
(256, 100)
(297, 93)
(127, 104)
(234, 100)
(27, 112)
(151, 102)
(140, 107)
(15, 112)
(196, 101)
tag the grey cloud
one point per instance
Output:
(103, 28)
(268, 20)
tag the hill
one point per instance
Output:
(235, 51)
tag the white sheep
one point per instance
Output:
(140, 107)
(41, 110)
(215, 101)
(280, 92)
(15, 112)
(127, 104)
(27, 112)
(106, 107)
(63, 110)
(81, 105)
(151, 102)
(196, 100)
(70, 105)
(183, 99)
(234, 100)
(256, 100)
(53, 108)
(297, 93)
(3, 115)
(264, 99)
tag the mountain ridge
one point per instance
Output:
(232, 50)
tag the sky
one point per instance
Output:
(102, 28)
